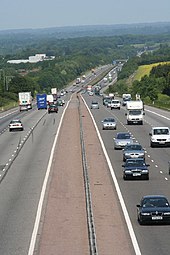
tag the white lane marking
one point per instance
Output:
(40, 204)
(160, 115)
(2, 117)
(124, 209)
(166, 179)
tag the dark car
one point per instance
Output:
(153, 209)
(53, 108)
(135, 169)
(134, 150)
(60, 102)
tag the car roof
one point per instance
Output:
(160, 127)
(109, 118)
(154, 196)
(15, 120)
(133, 144)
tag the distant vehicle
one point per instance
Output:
(54, 93)
(122, 139)
(159, 136)
(90, 93)
(50, 99)
(135, 169)
(41, 101)
(133, 150)
(60, 102)
(126, 98)
(115, 104)
(16, 124)
(52, 108)
(111, 95)
(78, 80)
(135, 112)
(153, 209)
(25, 101)
(106, 100)
(94, 105)
(109, 123)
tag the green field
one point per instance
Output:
(145, 70)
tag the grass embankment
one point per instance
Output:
(145, 70)
(163, 101)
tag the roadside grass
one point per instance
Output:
(8, 106)
(163, 102)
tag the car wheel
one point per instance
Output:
(147, 177)
(151, 145)
(124, 177)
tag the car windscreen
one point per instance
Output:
(135, 163)
(133, 147)
(123, 136)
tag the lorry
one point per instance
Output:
(25, 101)
(50, 99)
(41, 101)
(135, 112)
(54, 93)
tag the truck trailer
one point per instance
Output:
(41, 101)
(135, 112)
(25, 101)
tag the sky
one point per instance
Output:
(22, 14)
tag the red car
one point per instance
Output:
(52, 108)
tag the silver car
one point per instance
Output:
(133, 150)
(109, 123)
(122, 139)
(94, 105)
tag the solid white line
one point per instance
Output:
(160, 115)
(39, 210)
(124, 209)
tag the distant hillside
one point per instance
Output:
(15, 40)
(93, 30)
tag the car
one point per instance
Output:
(133, 150)
(15, 124)
(135, 169)
(91, 93)
(60, 102)
(52, 108)
(109, 123)
(94, 105)
(159, 136)
(106, 100)
(115, 104)
(122, 139)
(153, 209)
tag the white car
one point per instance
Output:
(115, 104)
(160, 136)
(16, 125)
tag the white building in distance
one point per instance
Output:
(32, 59)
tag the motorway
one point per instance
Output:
(21, 182)
(152, 239)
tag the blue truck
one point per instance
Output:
(41, 101)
